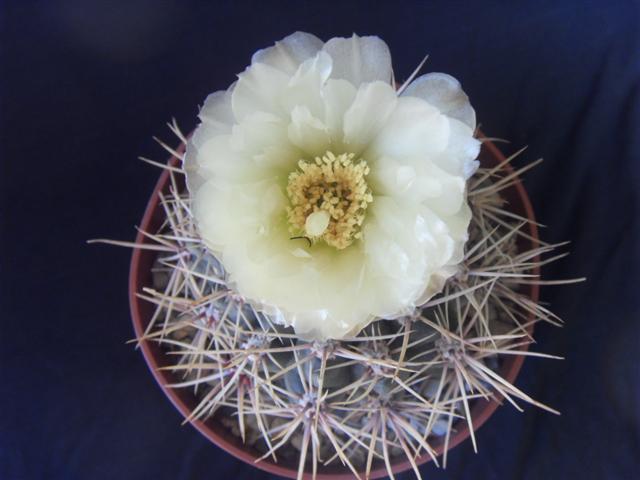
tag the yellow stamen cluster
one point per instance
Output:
(336, 185)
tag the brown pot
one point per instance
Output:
(185, 401)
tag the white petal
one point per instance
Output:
(458, 227)
(316, 69)
(290, 52)
(418, 181)
(273, 272)
(307, 132)
(395, 254)
(305, 87)
(450, 195)
(259, 89)
(415, 128)
(217, 161)
(459, 157)
(217, 118)
(301, 253)
(369, 111)
(459, 230)
(207, 202)
(433, 231)
(236, 214)
(444, 92)
(257, 132)
(360, 59)
(391, 177)
(338, 96)
(217, 110)
(194, 177)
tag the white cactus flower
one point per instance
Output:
(330, 199)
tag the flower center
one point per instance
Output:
(329, 197)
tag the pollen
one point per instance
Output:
(329, 197)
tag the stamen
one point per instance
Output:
(329, 198)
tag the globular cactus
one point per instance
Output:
(397, 390)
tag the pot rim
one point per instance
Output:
(481, 409)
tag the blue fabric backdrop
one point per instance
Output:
(84, 86)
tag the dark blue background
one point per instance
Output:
(86, 84)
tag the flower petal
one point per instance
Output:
(459, 157)
(298, 287)
(360, 59)
(233, 215)
(305, 86)
(218, 162)
(395, 255)
(259, 89)
(458, 226)
(414, 128)
(217, 118)
(418, 181)
(259, 147)
(287, 54)
(257, 132)
(444, 92)
(338, 95)
(194, 177)
(307, 132)
(367, 114)
(217, 110)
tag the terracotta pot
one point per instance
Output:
(185, 401)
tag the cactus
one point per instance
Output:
(396, 390)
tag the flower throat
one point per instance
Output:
(329, 198)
